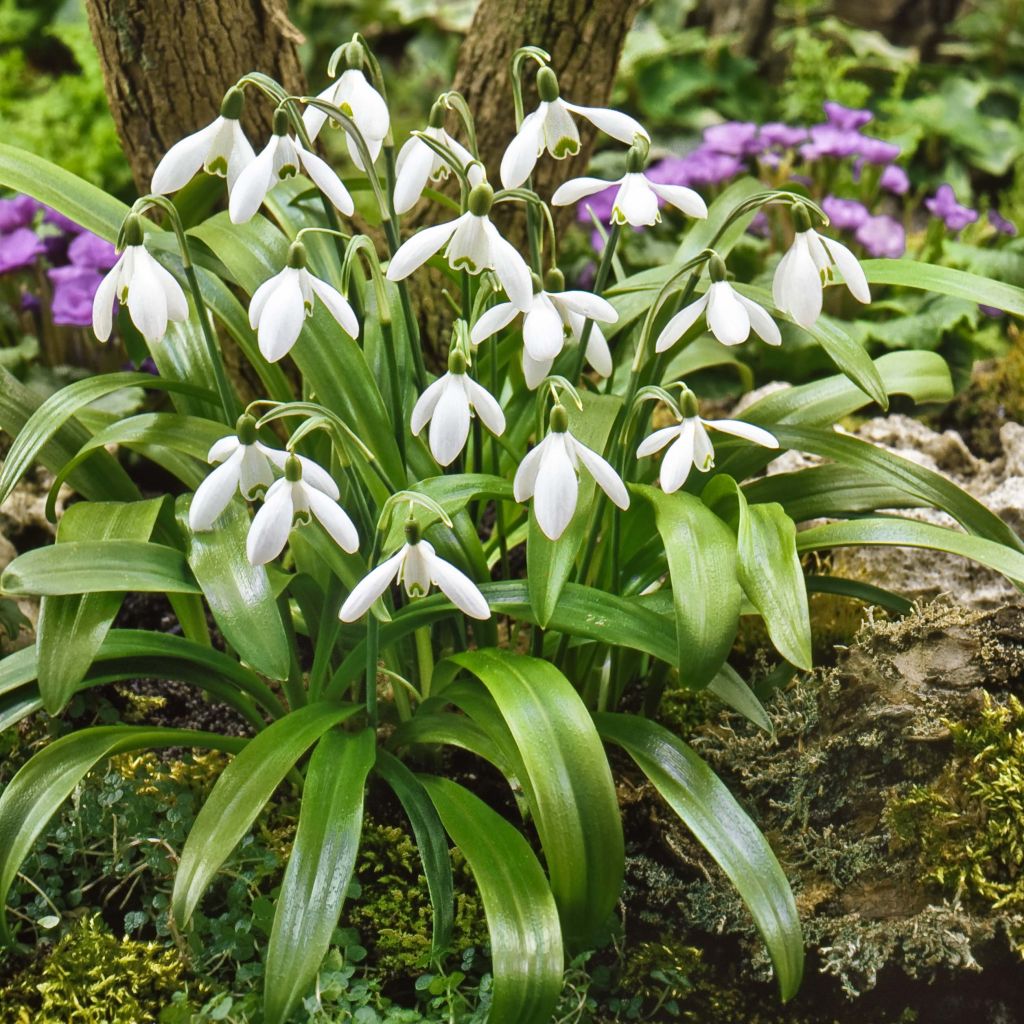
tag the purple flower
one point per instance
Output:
(73, 291)
(19, 250)
(777, 134)
(89, 250)
(846, 118)
(992, 311)
(30, 302)
(877, 151)
(737, 138)
(760, 225)
(894, 179)
(601, 203)
(58, 220)
(882, 236)
(1001, 224)
(845, 214)
(944, 206)
(829, 140)
(17, 213)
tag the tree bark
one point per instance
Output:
(167, 64)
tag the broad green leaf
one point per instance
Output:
(701, 553)
(571, 789)
(239, 795)
(90, 567)
(910, 533)
(430, 842)
(319, 868)
(721, 826)
(549, 562)
(239, 593)
(771, 576)
(946, 281)
(44, 782)
(522, 919)
(730, 688)
(72, 627)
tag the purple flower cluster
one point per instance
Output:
(78, 259)
(944, 206)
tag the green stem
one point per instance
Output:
(603, 269)
(293, 688)
(425, 659)
(372, 645)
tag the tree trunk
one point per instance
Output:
(168, 63)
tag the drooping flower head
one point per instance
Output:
(551, 127)
(689, 445)
(220, 148)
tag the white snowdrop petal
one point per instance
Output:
(369, 110)
(223, 449)
(320, 173)
(612, 122)
(486, 407)
(680, 324)
(469, 249)
(636, 203)
(370, 587)
(182, 161)
(535, 370)
(521, 155)
(801, 286)
(682, 198)
(449, 424)
(511, 268)
(147, 302)
(849, 266)
(493, 320)
(760, 320)
(756, 435)
(413, 174)
(252, 186)
(214, 493)
(458, 588)
(282, 319)
(675, 466)
(598, 354)
(271, 525)
(425, 405)
(241, 155)
(703, 449)
(561, 137)
(337, 305)
(103, 302)
(255, 473)
(260, 296)
(656, 441)
(579, 188)
(601, 470)
(587, 304)
(174, 294)
(526, 475)
(727, 318)
(334, 519)
(415, 573)
(415, 251)
(314, 118)
(557, 489)
(543, 330)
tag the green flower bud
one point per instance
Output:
(296, 256)
(481, 198)
(554, 280)
(231, 105)
(558, 421)
(716, 268)
(547, 85)
(132, 229)
(292, 469)
(801, 218)
(245, 429)
(688, 405)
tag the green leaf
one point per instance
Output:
(570, 790)
(771, 576)
(239, 795)
(90, 567)
(526, 944)
(730, 688)
(910, 533)
(549, 562)
(72, 627)
(865, 592)
(946, 281)
(239, 593)
(319, 868)
(721, 826)
(431, 843)
(44, 782)
(701, 553)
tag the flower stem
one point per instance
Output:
(603, 269)
(425, 659)
(372, 645)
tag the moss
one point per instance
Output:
(967, 827)
(93, 977)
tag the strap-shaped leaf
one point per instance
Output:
(46, 780)
(526, 943)
(72, 627)
(239, 593)
(571, 791)
(910, 533)
(866, 592)
(721, 826)
(319, 868)
(91, 567)
(946, 281)
(430, 841)
(701, 554)
(239, 795)
(773, 579)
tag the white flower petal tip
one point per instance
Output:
(448, 406)
(151, 293)
(220, 148)
(636, 200)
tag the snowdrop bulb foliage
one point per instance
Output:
(417, 567)
(552, 127)
(219, 148)
(281, 304)
(473, 244)
(549, 474)
(151, 293)
(636, 201)
(553, 315)
(448, 404)
(418, 164)
(808, 266)
(283, 157)
(730, 316)
(689, 445)
(293, 499)
(354, 96)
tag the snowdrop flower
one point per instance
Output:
(473, 244)
(281, 304)
(418, 163)
(448, 405)
(219, 148)
(151, 293)
(636, 201)
(354, 96)
(808, 266)
(690, 444)
(548, 474)
(246, 465)
(290, 500)
(553, 314)
(416, 566)
(551, 127)
(730, 316)
(282, 158)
